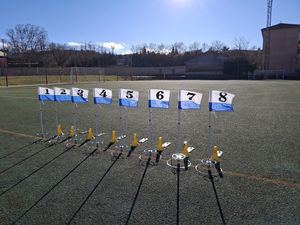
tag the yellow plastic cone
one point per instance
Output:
(185, 149)
(72, 131)
(59, 130)
(113, 137)
(159, 144)
(134, 141)
(90, 134)
(214, 156)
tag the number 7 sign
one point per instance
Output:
(189, 100)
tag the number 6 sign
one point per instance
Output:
(159, 98)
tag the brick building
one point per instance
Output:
(284, 48)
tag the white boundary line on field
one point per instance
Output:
(33, 85)
(6, 96)
(53, 84)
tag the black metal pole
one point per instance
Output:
(90, 194)
(54, 186)
(178, 194)
(36, 170)
(217, 198)
(23, 160)
(138, 190)
(19, 149)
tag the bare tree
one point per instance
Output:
(217, 46)
(60, 53)
(204, 47)
(195, 46)
(27, 37)
(240, 44)
(179, 46)
(161, 48)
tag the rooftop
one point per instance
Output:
(282, 26)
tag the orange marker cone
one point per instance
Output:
(113, 137)
(90, 134)
(134, 141)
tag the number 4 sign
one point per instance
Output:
(159, 98)
(102, 96)
(189, 100)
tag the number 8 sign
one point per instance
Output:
(159, 98)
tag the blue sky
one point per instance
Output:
(133, 22)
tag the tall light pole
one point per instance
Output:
(268, 35)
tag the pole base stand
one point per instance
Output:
(206, 165)
(143, 157)
(181, 159)
(115, 152)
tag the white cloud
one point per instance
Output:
(75, 44)
(115, 45)
(119, 47)
(126, 52)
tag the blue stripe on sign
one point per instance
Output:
(46, 97)
(79, 99)
(63, 98)
(158, 104)
(101, 100)
(220, 107)
(128, 103)
(188, 105)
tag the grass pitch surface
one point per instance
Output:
(260, 141)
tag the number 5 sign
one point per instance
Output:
(128, 98)
(159, 98)
(189, 100)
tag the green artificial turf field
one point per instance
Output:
(260, 140)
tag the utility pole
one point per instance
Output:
(268, 35)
